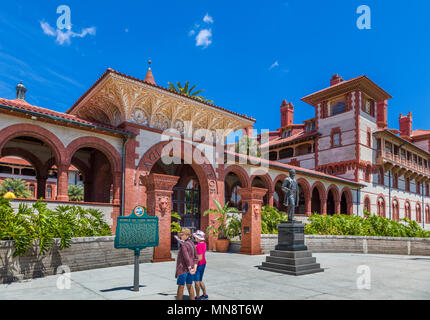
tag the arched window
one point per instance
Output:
(418, 213)
(381, 207)
(427, 214)
(396, 216)
(367, 205)
(407, 210)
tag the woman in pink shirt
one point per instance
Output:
(198, 277)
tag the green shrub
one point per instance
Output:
(76, 192)
(270, 218)
(37, 223)
(370, 225)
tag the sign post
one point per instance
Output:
(136, 232)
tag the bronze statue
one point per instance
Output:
(291, 189)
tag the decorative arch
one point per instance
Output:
(99, 144)
(280, 177)
(38, 132)
(204, 171)
(241, 174)
(349, 200)
(321, 190)
(306, 188)
(266, 179)
(427, 213)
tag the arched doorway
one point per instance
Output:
(316, 201)
(94, 175)
(331, 204)
(344, 204)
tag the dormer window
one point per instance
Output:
(310, 127)
(286, 134)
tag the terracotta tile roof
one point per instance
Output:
(283, 166)
(297, 136)
(24, 106)
(356, 82)
(417, 133)
(109, 70)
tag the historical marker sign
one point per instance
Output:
(137, 231)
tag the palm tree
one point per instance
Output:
(186, 90)
(222, 231)
(19, 188)
(76, 192)
(248, 146)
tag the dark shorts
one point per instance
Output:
(187, 278)
(200, 272)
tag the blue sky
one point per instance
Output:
(249, 57)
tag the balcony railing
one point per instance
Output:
(399, 160)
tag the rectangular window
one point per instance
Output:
(336, 139)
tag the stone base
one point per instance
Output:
(249, 253)
(162, 260)
(295, 263)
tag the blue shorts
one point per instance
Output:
(185, 278)
(200, 272)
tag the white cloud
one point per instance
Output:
(208, 19)
(65, 37)
(47, 29)
(204, 38)
(274, 65)
(191, 33)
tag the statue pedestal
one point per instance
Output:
(291, 236)
(291, 256)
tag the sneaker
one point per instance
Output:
(198, 298)
(204, 297)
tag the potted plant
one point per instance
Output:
(221, 231)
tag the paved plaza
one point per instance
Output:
(236, 277)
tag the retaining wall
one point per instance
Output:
(84, 254)
(349, 244)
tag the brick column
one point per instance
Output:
(323, 207)
(41, 187)
(117, 177)
(337, 207)
(159, 189)
(270, 199)
(251, 220)
(63, 183)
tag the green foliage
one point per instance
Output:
(19, 186)
(370, 225)
(175, 226)
(221, 228)
(76, 192)
(188, 91)
(248, 146)
(37, 223)
(234, 226)
(270, 218)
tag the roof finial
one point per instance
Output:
(20, 91)
(149, 77)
